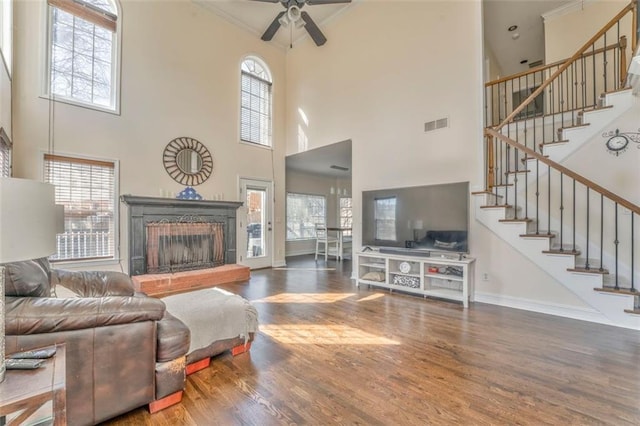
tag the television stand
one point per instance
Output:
(434, 275)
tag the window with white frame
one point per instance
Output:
(6, 32)
(304, 212)
(385, 218)
(5, 154)
(255, 104)
(87, 189)
(346, 214)
(82, 66)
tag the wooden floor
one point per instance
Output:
(331, 353)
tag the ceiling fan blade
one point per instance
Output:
(313, 30)
(312, 2)
(273, 28)
(268, 1)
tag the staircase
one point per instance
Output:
(581, 234)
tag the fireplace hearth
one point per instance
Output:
(171, 235)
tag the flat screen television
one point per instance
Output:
(426, 218)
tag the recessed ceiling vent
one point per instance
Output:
(436, 124)
(344, 169)
(535, 63)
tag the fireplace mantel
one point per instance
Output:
(143, 210)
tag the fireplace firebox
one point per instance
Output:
(171, 235)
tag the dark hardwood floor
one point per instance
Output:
(331, 353)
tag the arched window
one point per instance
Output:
(82, 66)
(255, 108)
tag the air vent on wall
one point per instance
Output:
(535, 63)
(436, 124)
(344, 169)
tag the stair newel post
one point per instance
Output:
(616, 242)
(526, 186)
(604, 63)
(586, 263)
(515, 183)
(633, 287)
(602, 228)
(623, 61)
(549, 198)
(593, 80)
(538, 196)
(561, 210)
(574, 216)
(506, 174)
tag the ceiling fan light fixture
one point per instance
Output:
(284, 21)
(293, 13)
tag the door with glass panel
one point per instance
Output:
(255, 224)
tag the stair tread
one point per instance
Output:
(486, 193)
(589, 271)
(574, 126)
(617, 291)
(538, 235)
(559, 141)
(516, 220)
(633, 311)
(496, 206)
(623, 89)
(568, 252)
(595, 108)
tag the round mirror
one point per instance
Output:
(187, 161)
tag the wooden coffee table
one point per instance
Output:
(24, 392)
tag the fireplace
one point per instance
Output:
(170, 235)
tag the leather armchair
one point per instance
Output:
(123, 349)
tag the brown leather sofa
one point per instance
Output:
(123, 349)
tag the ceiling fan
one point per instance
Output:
(294, 16)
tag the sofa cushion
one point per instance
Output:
(29, 278)
(173, 337)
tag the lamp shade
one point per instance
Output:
(27, 219)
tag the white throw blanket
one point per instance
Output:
(213, 314)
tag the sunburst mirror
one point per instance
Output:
(187, 161)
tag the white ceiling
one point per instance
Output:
(256, 16)
(318, 161)
(499, 15)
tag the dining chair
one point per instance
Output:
(328, 243)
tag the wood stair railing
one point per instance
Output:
(583, 212)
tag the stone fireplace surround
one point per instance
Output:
(143, 210)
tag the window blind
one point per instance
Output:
(255, 110)
(86, 188)
(5, 154)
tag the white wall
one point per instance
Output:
(180, 77)
(568, 29)
(384, 72)
(5, 97)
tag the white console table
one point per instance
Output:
(439, 275)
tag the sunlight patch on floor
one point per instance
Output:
(304, 298)
(322, 334)
(372, 297)
(304, 269)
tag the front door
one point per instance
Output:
(254, 249)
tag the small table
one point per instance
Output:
(340, 232)
(25, 391)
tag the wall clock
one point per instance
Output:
(404, 267)
(618, 142)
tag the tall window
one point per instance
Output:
(385, 218)
(303, 213)
(5, 154)
(255, 108)
(87, 190)
(346, 214)
(6, 30)
(82, 65)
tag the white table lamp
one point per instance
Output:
(27, 230)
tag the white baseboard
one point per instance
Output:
(566, 311)
(279, 263)
(299, 252)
